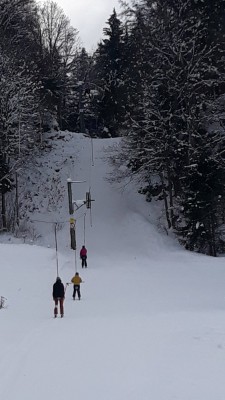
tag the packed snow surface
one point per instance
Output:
(151, 321)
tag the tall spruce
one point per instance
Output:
(109, 67)
(79, 109)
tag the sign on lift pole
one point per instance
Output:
(73, 244)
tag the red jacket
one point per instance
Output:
(83, 252)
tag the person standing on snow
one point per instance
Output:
(58, 295)
(76, 280)
(83, 257)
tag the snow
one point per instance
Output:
(151, 321)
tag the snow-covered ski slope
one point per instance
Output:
(151, 322)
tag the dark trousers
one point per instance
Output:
(59, 300)
(76, 289)
(84, 261)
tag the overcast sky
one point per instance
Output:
(89, 17)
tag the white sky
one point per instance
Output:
(89, 17)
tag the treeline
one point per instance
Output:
(162, 70)
(39, 76)
(156, 79)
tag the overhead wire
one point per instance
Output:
(92, 152)
(84, 228)
(90, 173)
(75, 256)
(56, 250)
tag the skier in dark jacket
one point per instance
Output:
(83, 256)
(58, 296)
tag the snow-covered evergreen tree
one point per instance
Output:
(109, 66)
(171, 87)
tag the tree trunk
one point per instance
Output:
(171, 209)
(3, 212)
(165, 201)
(213, 237)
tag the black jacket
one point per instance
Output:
(58, 290)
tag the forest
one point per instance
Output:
(156, 80)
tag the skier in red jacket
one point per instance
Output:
(83, 257)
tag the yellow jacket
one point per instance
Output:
(76, 280)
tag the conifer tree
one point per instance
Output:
(108, 67)
(177, 78)
(79, 108)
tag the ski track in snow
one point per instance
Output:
(151, 321)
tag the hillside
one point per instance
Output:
(150, 324)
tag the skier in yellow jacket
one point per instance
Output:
(76, 280)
